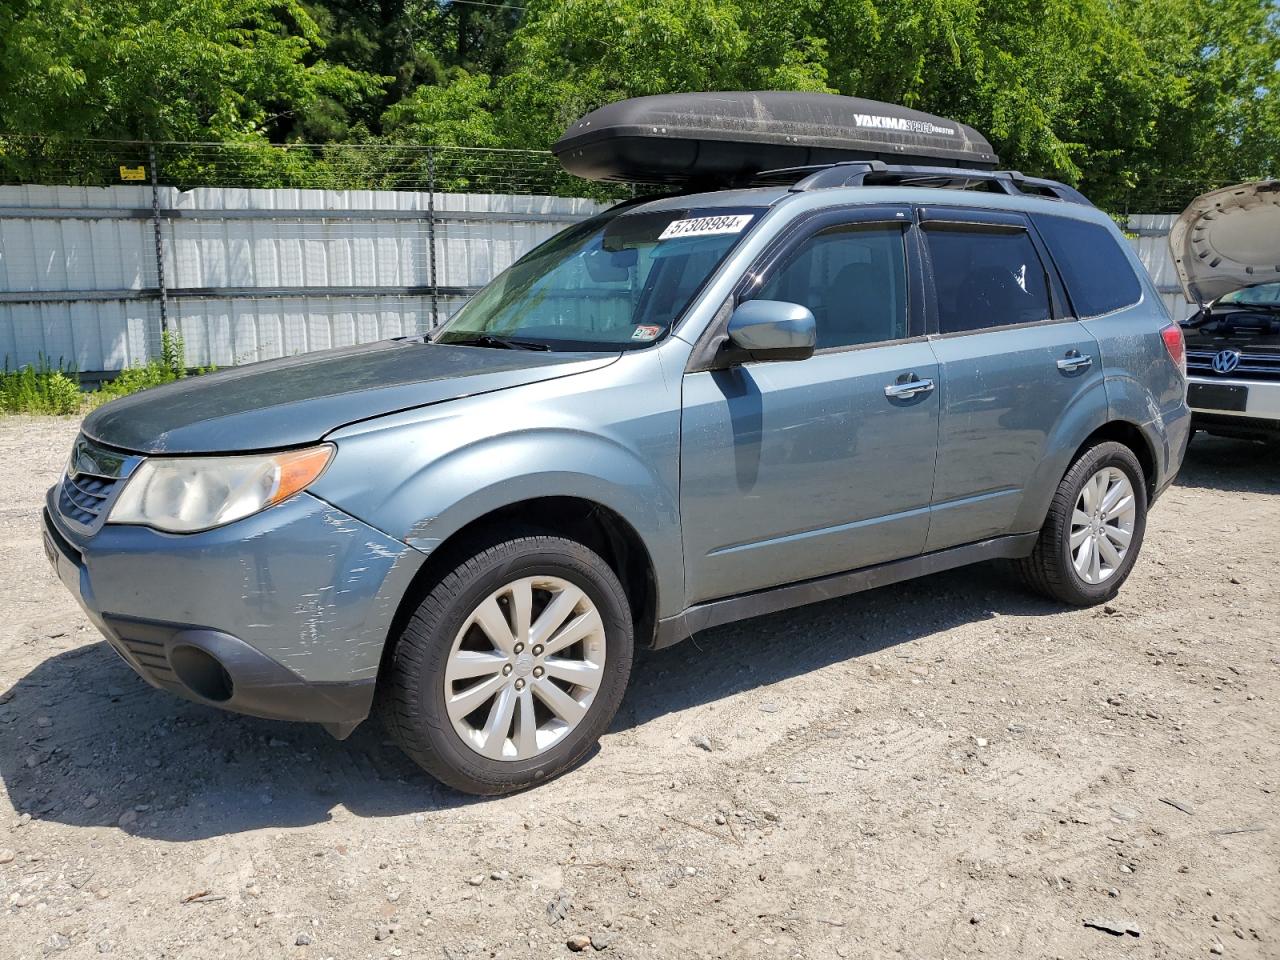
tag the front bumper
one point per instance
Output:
(1260, 416)
(1263, 402)
(281, 615)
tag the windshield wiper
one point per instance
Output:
(504, 343)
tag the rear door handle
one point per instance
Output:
(897, 391)
(1074, 361)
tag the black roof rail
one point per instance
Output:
(858, 173)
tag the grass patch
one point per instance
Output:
(40, 388)
(44, 388)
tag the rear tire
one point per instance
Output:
(1093, 532)
(467, 698)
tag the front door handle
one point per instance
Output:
(909, 388)
(1074, 361)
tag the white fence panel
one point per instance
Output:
(250, 274)
(1152, 246)
(255, 274)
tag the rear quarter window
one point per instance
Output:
(1097, 273)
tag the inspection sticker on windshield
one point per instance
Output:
(645, 332)
(705, 226)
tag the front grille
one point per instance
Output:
(82, 499)
(93, 475)
(1253, 366)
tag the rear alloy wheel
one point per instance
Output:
(1093, 532)
(1102, 525)
(512, 666)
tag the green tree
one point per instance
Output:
(1217, 90)
(570, 56)
(1140, 102)
(1124, 97)
(415, 44)
(165, 69)
(459, 113)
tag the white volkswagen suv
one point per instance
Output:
(1226, 247)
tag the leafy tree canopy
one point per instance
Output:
(1137, 101)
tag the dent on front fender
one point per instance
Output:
(422, 477)
(494, 473)
(427, 507)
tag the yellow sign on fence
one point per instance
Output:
(133, 173)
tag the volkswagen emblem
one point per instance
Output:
(1225, 361)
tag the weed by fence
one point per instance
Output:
(171, 365)
(39, 388)
(42, 388)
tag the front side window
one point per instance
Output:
(986, 278)
(617, 281)
(853, 278)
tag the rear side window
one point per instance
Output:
(1098, 276)
(854, 279)
(985, 278)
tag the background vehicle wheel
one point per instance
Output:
(512, 666)
(1092, 535)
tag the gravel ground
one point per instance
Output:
(940, 769)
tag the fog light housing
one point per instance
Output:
(202, 672)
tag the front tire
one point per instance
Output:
(1093, 532)
(512, 666)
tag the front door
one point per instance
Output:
(793, 470)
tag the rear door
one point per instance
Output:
(792, 470)
(1015, 369)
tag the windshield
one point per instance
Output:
(1262, 295)
(617, 281)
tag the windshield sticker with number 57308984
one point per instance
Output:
(705, 226)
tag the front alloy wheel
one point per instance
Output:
(525, 667)
(512, 665)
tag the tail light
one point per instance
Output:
(1177, 347)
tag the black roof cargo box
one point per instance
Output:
(718, 139)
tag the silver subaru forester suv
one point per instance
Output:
(688, 410)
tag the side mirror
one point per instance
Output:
(772, 330)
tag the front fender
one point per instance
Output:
(421, 478)
(463, 487)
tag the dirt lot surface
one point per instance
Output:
(942, 769)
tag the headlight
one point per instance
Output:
(185, 494)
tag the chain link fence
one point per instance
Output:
(372, 166)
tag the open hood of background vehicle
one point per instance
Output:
(1228, 239)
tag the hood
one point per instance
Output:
(1228, 239)
(297, 400)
